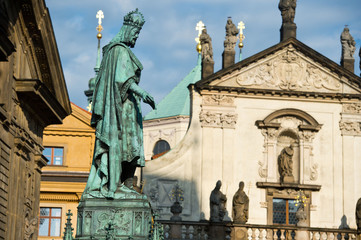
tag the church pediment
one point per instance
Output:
(287, 68)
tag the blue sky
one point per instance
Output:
(166, 45)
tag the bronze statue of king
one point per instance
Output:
(116, 114)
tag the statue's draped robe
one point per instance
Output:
(217, 205)
(117, 119)
(240, 207)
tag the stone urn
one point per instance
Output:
(176, 209)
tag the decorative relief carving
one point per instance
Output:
(289, 71)
(217, 119)
(262, 170)
(350, 128)
(307, 136)
(314, 172)
(351, 108)
(31, 224)
(218, 99)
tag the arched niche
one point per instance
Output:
(282, 129)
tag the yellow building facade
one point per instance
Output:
(69, 150)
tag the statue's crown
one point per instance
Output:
(134, 18)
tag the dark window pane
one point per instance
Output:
(279, 211)
(44, 211)
(44, 227)
(292, 209)
(160, 147)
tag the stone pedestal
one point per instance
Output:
(127, 216)
(348, 63)
(288, 179)
(302, 234)
(288, 30)
(216, 232)
(207, 68)
(228, 58)
(239, 233)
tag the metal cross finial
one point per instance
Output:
(100, 16)
(199, 27)
(241, 26)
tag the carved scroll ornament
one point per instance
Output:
(289, 71)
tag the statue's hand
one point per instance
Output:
(149, 99)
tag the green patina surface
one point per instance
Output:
(177, 102)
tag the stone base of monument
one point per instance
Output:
(126, 217)
(288, 30)
(228, 58)
(288, 179)
(239, 233)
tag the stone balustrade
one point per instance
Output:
(227, 230)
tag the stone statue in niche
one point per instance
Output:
(285, 164)
(348, 44)
(358, 215)
(288, 10)
(240, 205)
(231, 36)
(206, 43)
(217, 203)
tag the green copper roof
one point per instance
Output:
(177, 102)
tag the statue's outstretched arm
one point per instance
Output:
(147, 98)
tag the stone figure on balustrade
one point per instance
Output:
(288, 10)
(217, 203)
(117, 115)
(206, 43)
(348, 44)
(285, 164)
(240, 205)
(231, 36)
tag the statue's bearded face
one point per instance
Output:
(134, 36)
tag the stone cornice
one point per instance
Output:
(167, 120)
(254, 92)
(296, 186)
(67, 197)
(43, 103)
(64, 176)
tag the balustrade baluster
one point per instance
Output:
(192, 232)
(166, 231)
(263, 234)
(186, 232)
(257, 233)
(269, 234)
(183, 232)
(352, 236)
(282, 234)
(343, 236)
(315, 236)
(249, 234)
(330, 236)
(275, 237)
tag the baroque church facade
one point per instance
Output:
(243, 118)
